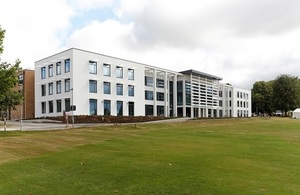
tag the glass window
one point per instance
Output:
(106, 88)
(106, 70)
(58, 68)
(50, 88)
(93, 86)
(67, 65)
(179, 93)
(119, 108)
(93, 107)
(238, 104)
(50, 106)
(67, 85)
(58, 87)
(67, 105)
(238, 94)
(130, 90)
(130, 74)
(148, 110)
(131, 108)
(148, 95)
(160, 96)
(58, 105)
(188, 93)
(43, 90)
(160, 110)
(229, 93)
(230, 104)
(119, 72)
(93, 67)
(43, 72)
(106, 107)
(119, 89)
(43, 107)
(160, 83)
(149, 81)
(50, 70)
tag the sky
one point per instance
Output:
(242, 41)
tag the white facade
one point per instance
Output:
(102, 85)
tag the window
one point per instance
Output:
(93, 86)
(67, 85)
(58, 87)
(131, 108)
(50, 106)
(229, 93)
(119, 72)
(119, 108)
(148, 81)
(43, 107)
(148, 110)
(50, 88)
(130, 74)
(220, 103)
(106, 88)
(58, 68)
(238, 103)
(93, 107)
(130, 90)
(238, 94)
(160, 83)
(93, 67)
(119, 89)
(188, 93)
(67, 105)
(58, 105)
(160, 96)
(67, 65)
(50, 70)
(230, 104)
(106, 70)
(160, 110)
(43, 72)
(179, 93)
(148, 95)
(106, 107)
(43, 90)
(220, 93)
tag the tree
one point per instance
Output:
(286, 93)
(8, 79)
(262, 97)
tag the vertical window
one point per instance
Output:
(230, 104)
(67, 105)
(58, 68)
(160, 83)
(67, 85)
(160, 96)
(130, 90)
(238, 94)
(119, 72)
(119, 108)
(148, 110)
(43, 107)
(106, 70)
(179, 93)
(58, 87)
(130, 74)
(149, 81)
(93, 67)
(238, 103)
(119, 89)
(50, 106)
(106, 88)
(50, 70)
(93, 107)
(58, 105)
(131, 108)
(50, 88)
(43, 90)
(67, 65)
(229, 93)
(93, 86)
(43, 72)
(106, 107)
(160, 110)
(148, 95)
(188, 93)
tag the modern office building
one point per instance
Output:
(97, 84)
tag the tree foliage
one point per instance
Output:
(262, 97)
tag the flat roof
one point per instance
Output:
(203, 74)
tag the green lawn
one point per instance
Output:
(219, 156)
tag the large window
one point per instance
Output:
(43, 107)
(50, 106)
(160, 110)
(67, 85)
(188, 92)
(43, 90)
(179, 93)
(148, 81)
(160, 83)
(106, 70)
(148, 110)
(67, 105)
(93, 86)
(93, 67)
(67, 65)
(119, 108)
(50, 88)
(106, 107)
(148, 95)
(106, 88)
(93, 107)
(50, 70)
(58, 105)
(119, 89)
(58, 87)
(43, 72)
(130, 90)
(119, 72)
(130, 74)
(58, 68)
(131, 108)
(160, 96)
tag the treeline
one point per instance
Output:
(283, 94)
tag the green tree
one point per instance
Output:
(286, 93)
(8, 80)
(262, 97)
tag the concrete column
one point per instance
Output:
(183, 98)
(166, 112)
(175, 95)
(154, 93)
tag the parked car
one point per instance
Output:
(278, 113)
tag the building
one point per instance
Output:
(97, 84)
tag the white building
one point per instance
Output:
(103, 85)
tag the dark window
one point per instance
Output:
(119, 89)
(119, 108)
(58, 105)
(149, 81)
(67, 105)
(106, 107)
(160, 96)
(130, 90)
(93, 107)
(43, 107)
(93, 86)
(188, 93)
(148, 110)
(131, 108)
(50, 88)
(148, 95)
(179, 93)
(43, 90)
(106, 88)
(160, 110)
(50, 106)
(160, 83)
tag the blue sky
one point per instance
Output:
(242, 41)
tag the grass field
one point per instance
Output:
(219, 156)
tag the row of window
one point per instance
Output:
(58, 87)
(242, 104)
(242, 95)
(67, 68)
(242, 113)
(107, 70)
(107, 88)
(149, 110)
(160, 96)
(58, 106)
(160, 83)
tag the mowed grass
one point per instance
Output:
(221, 156)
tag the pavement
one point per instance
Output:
(45, 124)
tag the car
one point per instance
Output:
(278, 113)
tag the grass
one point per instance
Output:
(222, 156)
